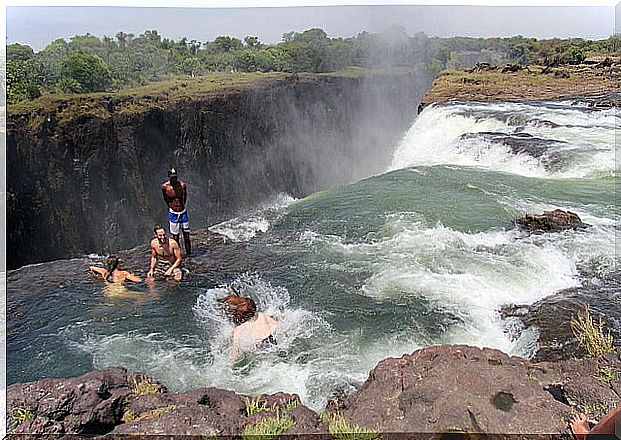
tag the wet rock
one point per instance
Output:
(552, 316)
(466, 389)
(550, 221)
(110, 402)
(91, 404)
(518, 143)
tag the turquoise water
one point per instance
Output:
(425, 253)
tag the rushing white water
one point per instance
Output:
(584, 139)
(244, 228)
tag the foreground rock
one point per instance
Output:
(436, 389)
(466, 389)
(115, 401)
(550, 221)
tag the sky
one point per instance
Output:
(41, 23)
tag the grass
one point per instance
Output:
(605, 375)
(591, 335)
(271, 426)
(130, 417)
(268, 427)
(143, 386)
(255, 406)
(21, 414)
(340, 429)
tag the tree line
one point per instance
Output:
(87, 63)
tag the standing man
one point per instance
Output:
(175, 193)
(165, 259)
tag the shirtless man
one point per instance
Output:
(165, 255)
(175, 193)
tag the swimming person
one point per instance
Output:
(165, 256)
(113, 272)
(253, 329)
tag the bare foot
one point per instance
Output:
(580, 426)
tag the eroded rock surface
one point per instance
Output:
(466, 389)
(116, 402)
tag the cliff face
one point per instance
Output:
(90, 182)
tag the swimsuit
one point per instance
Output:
(178, 221)
(267, 342)
(161, 267)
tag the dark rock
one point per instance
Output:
(91, 404)
(550, 221)
(105, 402)
(552, 316)
(512, 68)
(467, 389)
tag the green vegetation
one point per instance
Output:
(268, 427)
(21, 414)
(130, 417)
(605, 375)
(591, 335)
(143, 385)
(255, 406)
(342, 430)
(87, 64)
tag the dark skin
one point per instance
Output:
(175, 194)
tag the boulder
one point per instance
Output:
(466, 389)
(550, 221)
(91, 404)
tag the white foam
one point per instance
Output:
(585, 139)
(246, 227)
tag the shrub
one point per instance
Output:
(342, 430)
(268, 427)
(143, 385)
(591, 335)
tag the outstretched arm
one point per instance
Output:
(131, 277)
(103, 273)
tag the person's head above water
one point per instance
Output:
(239, 308)
(172, 175)
(112, 262)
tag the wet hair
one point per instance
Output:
(238, 308)
(156, 227)
(112, 262)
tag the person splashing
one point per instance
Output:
(253, 329)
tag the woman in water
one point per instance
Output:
(113, 272)
(252, 329)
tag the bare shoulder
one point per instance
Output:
(173, 244)
(164, 185)
(153, 243)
